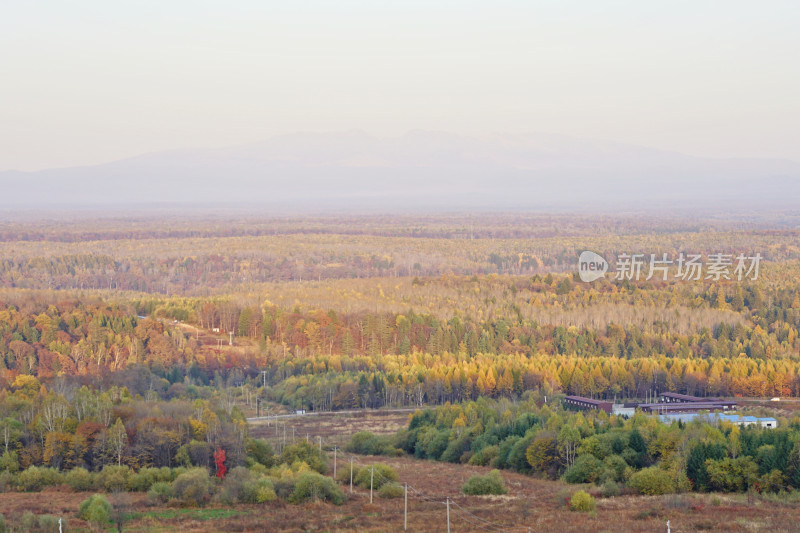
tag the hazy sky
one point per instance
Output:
(86, 82)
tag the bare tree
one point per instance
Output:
(120, 508)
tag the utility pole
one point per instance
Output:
(448, 515)
(371, 477)
(334, 462)
(405, 509)
(351, 475)
(319, 438)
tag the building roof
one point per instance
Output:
(686, 397)
(689, 405)
(688, 417)
(586, 400)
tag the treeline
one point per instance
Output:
(185, 274)
(640, 454)
(192, 449)
(475, 226)
(750, 322)
(68, 426)
(203, 260)
(78, 338)
(340, 382)
(331, 360)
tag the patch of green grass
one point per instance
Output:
(196, 514)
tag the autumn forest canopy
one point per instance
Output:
(346, 312)
(133, 349)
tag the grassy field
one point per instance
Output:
(334, 428)
(540, 505)
(530, 502)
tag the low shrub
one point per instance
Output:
(614, 469)
(652, 481)
(8, 481)
(47, 523)
(391, 490)
(260, 452)
(404, 441)
(586, 469)
(306, 452)
(343, 474)
(284, 486)
(383, 474)
(234, 485)
(582, 502)
(610, 489)
(242, 485)
(79, 479)
(96, 510)
(160, 492)
(28, 521)
(260, 491)
(193, 486)
(113, 478)
(491, 483)
(311, 486)
(484, 457)
(367, 443)
(34, 478)
(142, 480)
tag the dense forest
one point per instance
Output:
(193, 257)
(187, 447)
(489, 336)
(130, 354)
(639, 453)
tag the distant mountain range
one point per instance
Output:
(421, 170)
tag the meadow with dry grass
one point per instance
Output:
(530, 503)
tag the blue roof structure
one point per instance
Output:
(716, 417)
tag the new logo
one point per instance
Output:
(591, 266)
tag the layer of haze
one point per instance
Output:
(91, 81)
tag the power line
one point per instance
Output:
(459, 510)
(489, 522)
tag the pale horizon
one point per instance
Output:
(99, 82)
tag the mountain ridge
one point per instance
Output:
(429, 169)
